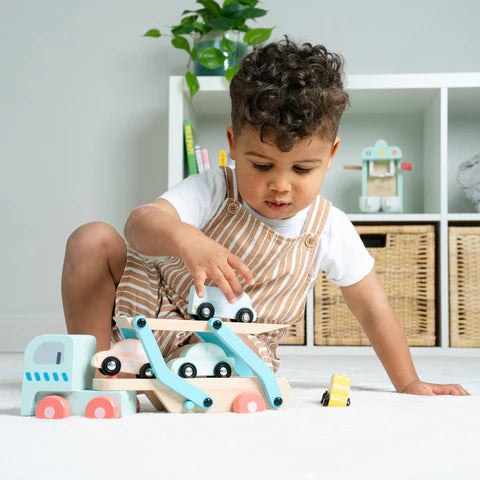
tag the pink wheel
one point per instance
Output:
(248, 402)
(53, 406)
(102, 407)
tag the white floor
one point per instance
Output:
(382, 435)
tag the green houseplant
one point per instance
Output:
(211, 37)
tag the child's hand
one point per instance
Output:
(204, 258)
(423, 388)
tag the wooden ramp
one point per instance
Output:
(201, 325)
(223, 391)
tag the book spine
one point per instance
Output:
(198, 158)
(189, 150)
(222, 158)
(205, 159)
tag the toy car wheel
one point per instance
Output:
(222, 370)
(53, 406)
(244, 315)
(248, 402)
(111, 366)
(187, 370)
(102, 407)
(205, 311)
(348, 401)
(325, 398)
(146, 371)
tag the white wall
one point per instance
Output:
(83, 114)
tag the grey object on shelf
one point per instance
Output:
(469, 178)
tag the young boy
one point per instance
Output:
(261, 228)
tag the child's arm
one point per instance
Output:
(368, 302)
(156, 229)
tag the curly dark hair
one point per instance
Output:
(289, 90)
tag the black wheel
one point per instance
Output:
(222, 370)
(244, 315)
(187, 370)
(111, 366)
(325, 398)
(205, 311)
(146, 371)
(348, 401)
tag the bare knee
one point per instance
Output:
(96, 247)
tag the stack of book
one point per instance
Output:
(197, 157)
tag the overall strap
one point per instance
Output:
(231, 184)
(317, 216)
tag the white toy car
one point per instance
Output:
(202, 360)
(126, 356)
(214, 303)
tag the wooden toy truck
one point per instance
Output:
(57, 381)
(58, 375)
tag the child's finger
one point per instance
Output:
(222, 283)
(451, 389)
(236, 263)
(199, 281)
(232, 279)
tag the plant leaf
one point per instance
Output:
(181, 43)
(220, 23)
(256, 12)
(212, 6)
(211, 57)
(190, 19)
(251, 3)
(199, 27)
(183, 29)
(153, 33)
(192, 83)
(257, 36)
(227, 45)
(231, 71)
(235, 10)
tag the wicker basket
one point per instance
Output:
(405, 264)
(464, 255)
(295, 334)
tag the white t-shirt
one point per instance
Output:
(340, 251)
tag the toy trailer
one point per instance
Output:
(57, 381)
(255, 389)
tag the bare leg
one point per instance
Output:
(95, 258)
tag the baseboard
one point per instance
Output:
(17, 330)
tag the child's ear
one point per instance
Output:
(231, 142)
(334, 151)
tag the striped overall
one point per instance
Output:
(282, 268)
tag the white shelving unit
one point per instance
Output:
(433, 118)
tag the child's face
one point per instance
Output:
(279, 184)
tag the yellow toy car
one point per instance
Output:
(337, 394)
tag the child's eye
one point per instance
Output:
(261, 166)
(302, 170)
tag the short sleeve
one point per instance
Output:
(341, 253)
(198, 197)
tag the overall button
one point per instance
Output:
(310, 241)
(232, 208)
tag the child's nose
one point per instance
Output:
(280, 183)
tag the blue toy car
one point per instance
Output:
(214, 303)
(202, 360)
